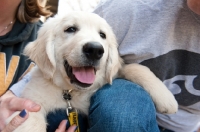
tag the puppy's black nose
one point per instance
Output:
(93, 50)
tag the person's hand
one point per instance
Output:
(198, 130)
(16, 121)
(62, 127)
(194, 5)
(21, 118)
(9, 103)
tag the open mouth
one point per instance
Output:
(81, 76)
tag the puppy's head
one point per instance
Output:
(79, 49)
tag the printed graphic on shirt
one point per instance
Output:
(7, 77)
(180, 71)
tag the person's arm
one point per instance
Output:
(19, 86)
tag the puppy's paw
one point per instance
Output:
(163, 99)
(165, 102)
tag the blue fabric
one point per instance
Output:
(120, 107)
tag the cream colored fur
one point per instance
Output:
(49, 78)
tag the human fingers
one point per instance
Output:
(16, 121)
(18, 104)
(62, 127)
(199, 130)
(194, 5)
(72, 128)
(9, 103)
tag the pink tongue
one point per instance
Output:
(84, 74)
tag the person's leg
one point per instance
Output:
(122, 107)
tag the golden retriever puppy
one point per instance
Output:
(77, 54)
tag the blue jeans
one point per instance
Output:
(120, 107)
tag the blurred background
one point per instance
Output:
(63, 6)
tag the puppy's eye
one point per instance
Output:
(102, 35)
(71, 30)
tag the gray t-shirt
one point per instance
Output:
(163, 35)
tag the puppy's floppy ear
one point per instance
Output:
(41, 51)
(114, 61)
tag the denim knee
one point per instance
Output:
(122, 106)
